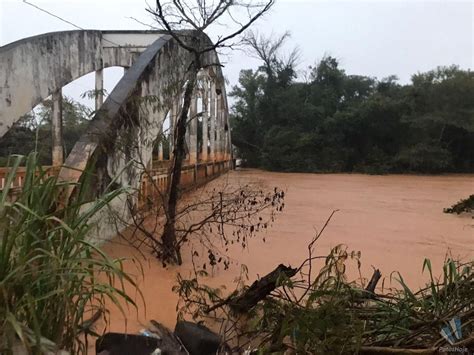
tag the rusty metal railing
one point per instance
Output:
(154, 182)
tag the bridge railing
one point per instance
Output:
(19, 178)
(154, 182)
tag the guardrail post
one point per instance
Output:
(160, 151)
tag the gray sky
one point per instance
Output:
(375, 38)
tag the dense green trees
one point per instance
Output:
(33, 131)
(334, 122)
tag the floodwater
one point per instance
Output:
(395, 221)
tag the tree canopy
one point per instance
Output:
(33, 131)
(335, 122)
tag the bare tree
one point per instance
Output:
(268, 49)
(212, 219)
(187, 21)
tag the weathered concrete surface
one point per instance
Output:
(57, 128)
(118, 143)
(105, 125)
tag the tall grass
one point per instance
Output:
(51, 277)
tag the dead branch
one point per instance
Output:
(373, 281)
(260, 289)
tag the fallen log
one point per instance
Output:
(257, 292)
(260, 289)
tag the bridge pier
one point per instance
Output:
(205, 128)
(99, 89)
(212, 95)
(219, 127)
(57, 129)
(227, 141)
(173, 119)
(160, 151)
(193, 124)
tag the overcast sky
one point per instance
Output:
(375, 38)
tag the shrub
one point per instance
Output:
(464, 205)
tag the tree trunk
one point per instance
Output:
(171, 249)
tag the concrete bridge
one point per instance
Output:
(126, 128)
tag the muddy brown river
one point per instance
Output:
(395, 221)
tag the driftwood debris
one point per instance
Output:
(465, 205)
(373, 281)
(260, 289)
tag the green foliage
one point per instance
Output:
(312, 313)
(424, 157)
(320, 312)
(51, 277)
(33, 131)
(336, 122)
(340, 317)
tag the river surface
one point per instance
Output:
(395, 221)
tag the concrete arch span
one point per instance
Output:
(119, 140)
(34, 68)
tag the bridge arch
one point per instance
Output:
(36, 67)
(119, 139)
